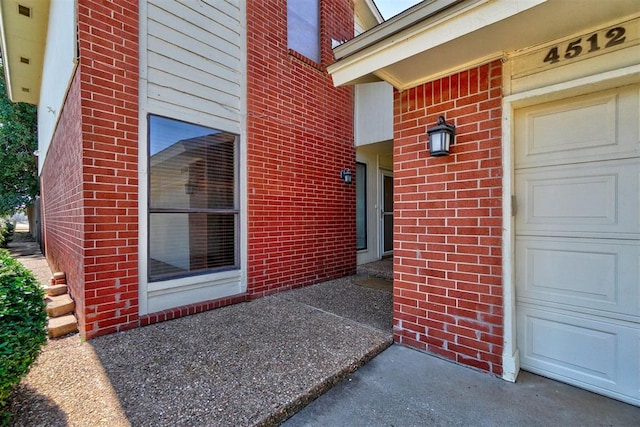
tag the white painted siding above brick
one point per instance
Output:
(57, 73)
(194, 61)
(373, 113)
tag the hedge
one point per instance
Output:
(6, 233)
(23, 323)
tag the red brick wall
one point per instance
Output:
(448, 219)
(300, 135)
(90, 176)
(61, 191)
(108, 43)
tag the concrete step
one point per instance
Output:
(59, 305)
(55, 290)
(58, 278)
(63, 325)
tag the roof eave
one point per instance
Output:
(426, 26)
(398, 23)
(23, 46)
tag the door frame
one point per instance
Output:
(594, 83)
(384, 173)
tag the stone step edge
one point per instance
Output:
(65, 323)
(60, 305)
(60, 326)
(55, 290)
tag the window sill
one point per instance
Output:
(181, 292)
(194, 281)
(300, 57)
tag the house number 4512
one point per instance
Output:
(612, 37)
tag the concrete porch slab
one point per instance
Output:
(405, 387)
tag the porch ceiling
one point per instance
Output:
(438, 37)
(23, 29)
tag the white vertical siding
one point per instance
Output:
(193, 59)
(58, 68)
(373, 113)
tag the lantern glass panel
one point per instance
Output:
(439, 143)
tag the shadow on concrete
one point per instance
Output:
(259, 362)
(30, 408)
(349, 299)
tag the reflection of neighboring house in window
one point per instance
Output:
(193, 212)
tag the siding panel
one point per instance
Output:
(183, 93)
(373, 113)
(194, 61)
(160, 49)
(184, 78)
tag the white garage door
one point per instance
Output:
(577, 241)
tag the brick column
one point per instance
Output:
(108, 47)
(448, 220)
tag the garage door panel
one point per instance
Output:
(577, 240)
(585, 128)
(562, 200)
(581, 350)
(548, 125)
(552, 271)
(580, 273)
(594, 347)
(580, 198)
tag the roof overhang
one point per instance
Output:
(23, 29)
(368, 12)
(438, 37)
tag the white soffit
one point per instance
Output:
(23, 28)
(430, 42)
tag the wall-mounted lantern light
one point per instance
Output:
(441, 137)
(345, 174)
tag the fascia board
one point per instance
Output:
(454, 22)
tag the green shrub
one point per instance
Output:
(10, 228)
(23, 322)
(6, 233)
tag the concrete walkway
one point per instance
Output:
(258, 363)
(404, 387)
(254, 363)
(23, 248)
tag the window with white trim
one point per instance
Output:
(193, 199)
